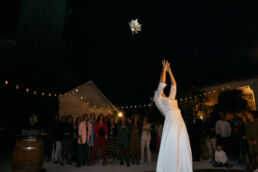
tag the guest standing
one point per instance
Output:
(91, 143)
(57, 139)
(145, 139)
(210, 137)
(76, 136)
(194, 130)
(252, 137)
(223, 131)
(122, 140)
(84, 133)
(101, 134)
(135, 140)
(67, 143)
(158, 131)
(244, 146)
(111, 141)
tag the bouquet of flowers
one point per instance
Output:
(135, 26)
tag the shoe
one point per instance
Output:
(69, 163)
(55, 162)
(128, 163)
(133, 161)
(78, 166)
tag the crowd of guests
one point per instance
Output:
(225, 139)
(87, 140)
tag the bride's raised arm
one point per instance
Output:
(172, 93)
(165, 65)
(162, 82)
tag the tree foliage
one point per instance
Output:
(231, 101)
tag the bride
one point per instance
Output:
(175, 151)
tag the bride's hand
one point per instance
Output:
(165, 64)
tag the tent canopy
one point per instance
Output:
(85, 99)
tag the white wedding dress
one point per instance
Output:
(175, 152)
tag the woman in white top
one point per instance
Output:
(175, 152)
(145, 139)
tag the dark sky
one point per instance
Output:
(206, 42)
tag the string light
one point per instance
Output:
(120, 114)
(121, 107)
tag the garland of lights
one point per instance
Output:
(75, 91)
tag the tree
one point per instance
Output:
(193, 103)
(231, 101)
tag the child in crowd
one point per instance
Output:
(221, 159)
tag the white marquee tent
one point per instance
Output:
(86, 98)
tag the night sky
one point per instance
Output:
(206, 42)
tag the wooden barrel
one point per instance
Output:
(28, 155)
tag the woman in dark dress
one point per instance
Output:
(67, 143)
(75, 136)
(135, 140)
(122, 140)
(111, 141)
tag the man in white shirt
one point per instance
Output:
(223, 130)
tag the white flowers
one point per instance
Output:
(135, 26)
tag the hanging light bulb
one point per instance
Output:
(35, 92)
(6, 82)
(49, 94)
(42, 93)
(27, 90)
(17, 87)
(120, 114)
